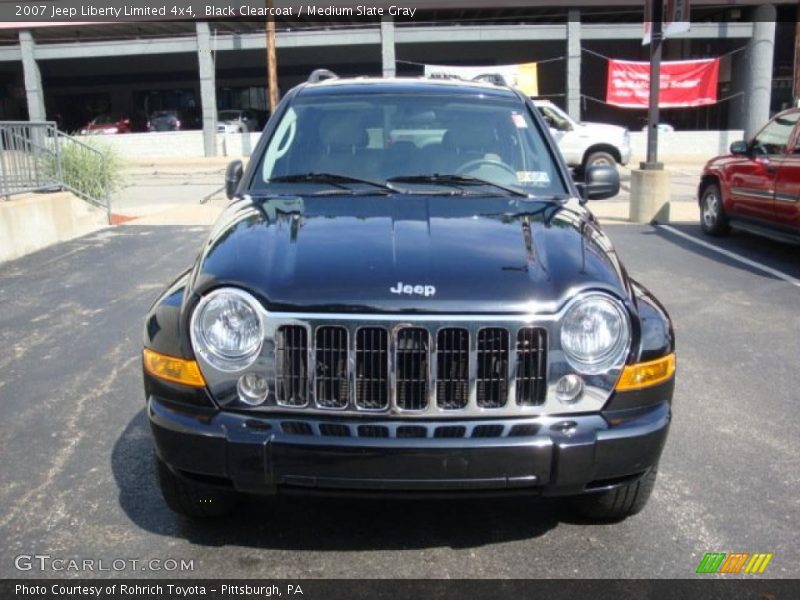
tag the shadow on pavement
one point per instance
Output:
(317, 523)
(776, 255)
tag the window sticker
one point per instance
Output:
(518, 120)
(540, 178)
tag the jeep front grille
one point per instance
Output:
(492, 367)
(452, 360)
(291, 362)
(531, 366)
(414, 368)
(332, 389)
(372, 368)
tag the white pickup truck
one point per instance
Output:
(586, 144)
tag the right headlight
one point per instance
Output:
(594, 334)
(227, 329)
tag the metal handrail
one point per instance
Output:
(105, 201)
(31, 160)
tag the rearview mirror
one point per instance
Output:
(233, 175)
(601, 182)
(739, 148)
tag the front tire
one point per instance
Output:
(713, 219)
(598, 159)
(191, 499)
(619, 503)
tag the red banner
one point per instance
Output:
(683, 83)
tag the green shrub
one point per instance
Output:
(95, 171)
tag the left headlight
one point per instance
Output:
(595, 334)
(227, 329)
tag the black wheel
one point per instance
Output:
(191, 499)
(619, 503)
(713, 219)
(599, 159)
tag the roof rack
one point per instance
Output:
(495, 78)
(318, 75)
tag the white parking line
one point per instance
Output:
(738, 257)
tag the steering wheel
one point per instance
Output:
(485, 162)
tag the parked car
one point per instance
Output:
(107, 124)
(239, 121)
(586, 144)
(165, 120)
(353, 326)
(756, 187)
(175, 120)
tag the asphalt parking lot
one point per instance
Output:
(77, 479)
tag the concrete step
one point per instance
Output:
(30, 222)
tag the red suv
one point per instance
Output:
(756, 187)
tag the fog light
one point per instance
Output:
(569, 388)
(252, 388)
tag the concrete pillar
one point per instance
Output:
(387, 47)
(574, 64)
(33, 78)
(758, 69)
(649, 196)
(208, 88)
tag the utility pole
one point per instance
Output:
(796, 86)
(272, 67)
(656, 41)
(650, 182)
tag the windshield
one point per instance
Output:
(397, 137)
(228, 115)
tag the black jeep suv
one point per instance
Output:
(407, 295)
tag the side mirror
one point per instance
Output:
(601, 182)
(739, 148)
(233, 175)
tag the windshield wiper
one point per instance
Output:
(333, 179)
(455, 179)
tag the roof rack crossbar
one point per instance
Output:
(318, 75)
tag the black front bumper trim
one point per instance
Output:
(552, 460)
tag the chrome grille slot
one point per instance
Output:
(452, 368)
(372, 369)
(297, 428)
(373, 431)
(450, 431)
(331, 384)
(487, 431)
(531, 366)
(291, 365)
(411, 368)
(492, 380)
(411, 431)
(334, 430)
(524, 429)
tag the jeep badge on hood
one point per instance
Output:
(418, 290)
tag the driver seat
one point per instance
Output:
(470, 142)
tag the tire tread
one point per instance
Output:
(619, 503)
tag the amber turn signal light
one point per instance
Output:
(171, 368)
(646, 374)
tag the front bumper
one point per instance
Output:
(549, 455)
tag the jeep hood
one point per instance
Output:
(415, 253)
